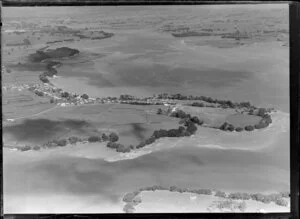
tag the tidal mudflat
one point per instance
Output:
(101, 102)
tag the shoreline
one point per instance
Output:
(160, 144)
(134, 199)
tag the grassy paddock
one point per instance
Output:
(132, 123)
(242, 120)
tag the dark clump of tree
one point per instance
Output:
(191, 128)
(239, 196)
(50, 144)
(249, 128)
(119, 147)
(261, 198)
(173, 133)
(273, 197)
(85, 96)
(245, 104)
(43, 78)
(137, 200)
(61, 142)
(223, 103)
(198, 104)
(65, 95)
(36, 148)
(39, 93)
(141, 144)
(159, 111)
(94, 138)
(196, 120)
(150, 140)
(179, 114)
(181, 131)
(74, 139)
(112, 145)
(238, 129)
(221, 194)
(104, 137)
(25, 148)
(267, 118)
(281, 202)
(126, 97)
(261, 112)
(122, 148)
(227, 127)
(260, 125)
(158, 187)
(128, 208)
(230, 128)
(113, 137)
(203, 191)
(142, 103)
(174, 188)
(285, 194)
(160, 133)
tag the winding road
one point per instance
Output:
(36, 114)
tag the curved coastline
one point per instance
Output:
(53, 65)
(133, 199)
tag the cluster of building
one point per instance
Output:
(61, 98)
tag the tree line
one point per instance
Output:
(264, 122)
(228, 103)
(188, 127)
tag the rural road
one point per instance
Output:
(36, 114)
